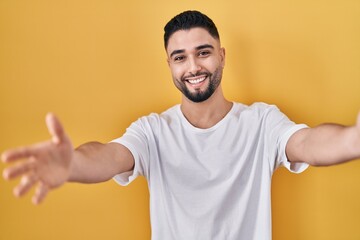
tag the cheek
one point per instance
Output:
(211, 64)
(177, 72)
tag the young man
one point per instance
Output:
(208, 161)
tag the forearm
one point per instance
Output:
(95, 162)
(327, 144)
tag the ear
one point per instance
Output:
(222, 55)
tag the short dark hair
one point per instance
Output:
(187, 20)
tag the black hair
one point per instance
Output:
(187, 20)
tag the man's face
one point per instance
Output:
(196, 62)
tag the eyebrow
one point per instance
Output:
(197, 48)
(204, 46)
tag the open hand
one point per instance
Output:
(45, 165)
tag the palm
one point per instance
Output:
(358, 123)
(46, 164)
(52, 163)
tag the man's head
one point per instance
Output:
(187, 20)
(195, 57)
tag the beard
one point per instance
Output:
(200, 96)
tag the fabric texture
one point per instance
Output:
(210, 183)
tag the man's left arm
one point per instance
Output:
(324, 145)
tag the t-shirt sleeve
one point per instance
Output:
(281, 129)
(136, 140)
(282, 159)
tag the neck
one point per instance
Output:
(207, 113)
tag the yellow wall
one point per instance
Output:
(101, 64)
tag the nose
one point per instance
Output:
(194, 66)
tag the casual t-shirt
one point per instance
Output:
(210, 183)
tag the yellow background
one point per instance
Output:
(99, 65)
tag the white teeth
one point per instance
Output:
(195, 81)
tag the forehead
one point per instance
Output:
(190, 39)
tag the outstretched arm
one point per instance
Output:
(324, 145)
(48, 165)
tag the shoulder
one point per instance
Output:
(262, 107)
(255, 109)
(155, 119)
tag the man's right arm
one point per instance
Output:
(96, 162)
(48, 165)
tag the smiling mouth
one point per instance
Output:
(195, 81)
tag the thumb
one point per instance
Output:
(55, 128)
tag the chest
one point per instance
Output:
(195, 160)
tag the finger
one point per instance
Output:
(25, 185)
(55, 128)
(18, 153)
(40, 193)
(20, 169)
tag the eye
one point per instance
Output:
(178, 58)
(204, 53)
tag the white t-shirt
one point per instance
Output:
(210, 183)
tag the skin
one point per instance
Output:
(325, 145)
(191, 58)
(48, 165)
(192, 55)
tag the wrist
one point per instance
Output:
(72, 167)
(354, 143)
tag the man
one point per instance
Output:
(208, 161)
